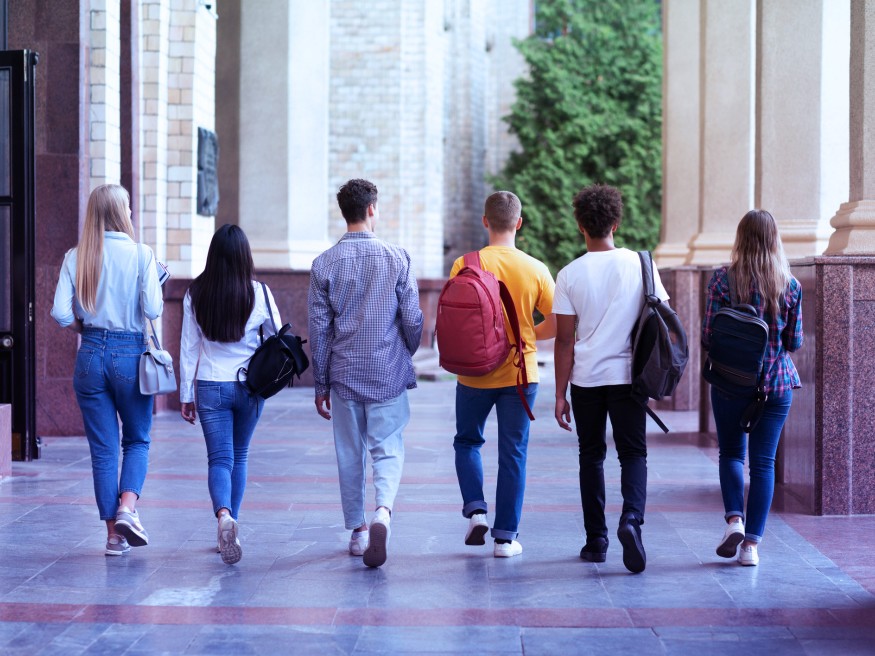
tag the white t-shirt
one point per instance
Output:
(605, 291)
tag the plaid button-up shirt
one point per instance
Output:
(785, 330)
(365, 321)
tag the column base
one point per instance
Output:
(711, 248)
(854, 225)
(671, 254)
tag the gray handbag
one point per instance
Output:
(156, 364)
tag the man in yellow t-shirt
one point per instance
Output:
(531, 287)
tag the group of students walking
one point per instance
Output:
(365, 324)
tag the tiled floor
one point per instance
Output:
(297, 591)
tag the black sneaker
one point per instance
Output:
(629, 535)
(595, 550)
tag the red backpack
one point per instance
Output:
(471, 336)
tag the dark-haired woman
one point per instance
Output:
(222, 313)
(762, 279)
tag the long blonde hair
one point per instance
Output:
(758, 260)
(107, 210)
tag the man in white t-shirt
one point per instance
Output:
(598, 299)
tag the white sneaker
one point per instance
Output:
(748, 555)
(229, 544)
(508, 550)
(358, 542)
(732, 537)
(376, 552)
(477, 527)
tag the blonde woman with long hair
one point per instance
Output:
(763, 280)
(102, 295)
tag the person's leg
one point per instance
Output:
(732, 441)
(350, 445)
(513, 441)
(100, 420)
(247, 411)
(215, 410)
(589, 406)
(629, 427)
(135, 411)
(385, 423)
(763, 446)
(472, 408)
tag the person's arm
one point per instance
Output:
(791, 336)
(153, 299)
(547, 328)
(321, 317)
(407, 293)
(563, 361)
(62, 307)
(189, 355)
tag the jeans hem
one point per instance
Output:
(500, 534)
(469, 508)
(733, 513)
(750, 537)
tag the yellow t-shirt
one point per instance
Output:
(531, 286)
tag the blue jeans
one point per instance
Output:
(228, 415)
(473, 406)
(106, 382)
(763, 444)
(362, 428)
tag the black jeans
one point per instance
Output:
(591, 407)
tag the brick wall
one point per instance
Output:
(104, 89)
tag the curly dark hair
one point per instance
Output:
(597, 209)
(354, 198)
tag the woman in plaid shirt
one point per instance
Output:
(763, 280)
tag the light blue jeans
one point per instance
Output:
(228, 415)
(473, 406)
(106, 382)
(359, 429)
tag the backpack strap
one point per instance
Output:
(472, 260)
(647, 275)
(733, 287)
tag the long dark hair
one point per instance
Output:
(758, 260)
(223, 296)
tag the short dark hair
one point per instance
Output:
(354, 198)
(597, 209)
(502, 209)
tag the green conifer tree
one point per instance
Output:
(589, 110)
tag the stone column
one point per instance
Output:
(726, 126)
(283, 130)
(680, 133)
(855, 221)
(802, 98)
(104, 144)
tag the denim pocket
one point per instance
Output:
(209, 397)
(83, 362)
(126, 366)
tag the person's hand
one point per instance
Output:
(323, 400)
(188, 412)
(563, 413)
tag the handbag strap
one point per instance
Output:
(140, 295)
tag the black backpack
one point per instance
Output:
(659, 346)
(739, 342)
(276, 361)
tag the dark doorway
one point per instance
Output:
(17, 253)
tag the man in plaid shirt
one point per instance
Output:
(365, 326)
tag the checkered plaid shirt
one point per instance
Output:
(785, 330)
(365, 321)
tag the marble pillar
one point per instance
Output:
(854, 223)
(802, 132)
(283, 130)
(680, 133)
(726, 126)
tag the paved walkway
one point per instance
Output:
(297, 591)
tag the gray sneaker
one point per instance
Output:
(117, 546)
(229, 545)
(127, 525)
